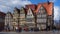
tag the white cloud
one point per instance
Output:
(12, 3)
(3, 8)
(17, 2)
(56, 12)
(52, 0)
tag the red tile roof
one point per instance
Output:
(32, 6)
(35, 8)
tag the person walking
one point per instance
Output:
(16, 29)
(20, 29)
(7, 27)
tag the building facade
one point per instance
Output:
(16, 17)
(9, 21)
(2, 20)
(22, 17)
(44, 14)
(30, 20)
(42, 18)
(40, 15)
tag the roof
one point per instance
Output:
(32, 6)
(10, 13)
(47, 6)
(17, 9)
(2, 13)
(31, 10)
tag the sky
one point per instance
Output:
(8, 5)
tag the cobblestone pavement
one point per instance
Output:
(40, 32)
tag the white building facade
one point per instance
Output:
(42, 18)
(22, 18)
(9, 20)
(30, 20)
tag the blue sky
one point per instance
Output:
(56, 7)
(8, 5)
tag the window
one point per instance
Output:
(41, 20)
(29, 19)
(41, 16)
(44, 15)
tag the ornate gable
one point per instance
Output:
(16, 13)
(30, 13)
(22, 13)
(22, 10)
(42, 10)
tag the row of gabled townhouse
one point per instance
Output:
(40, 15)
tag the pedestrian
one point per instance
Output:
(7, 27)
(20, 29)
(16, 29)
(31, 29)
